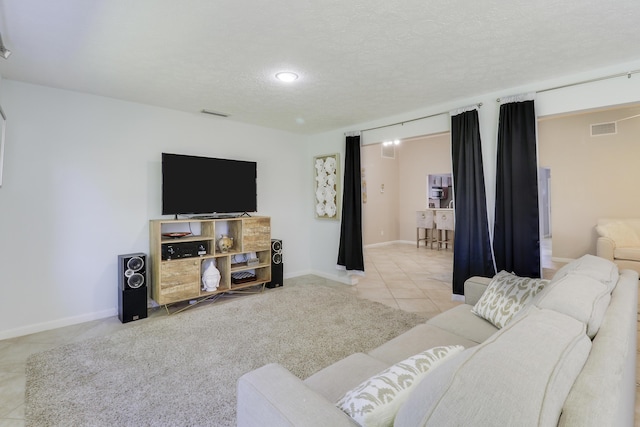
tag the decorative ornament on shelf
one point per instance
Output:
(210, 276)
(225, 243)
(326, 186)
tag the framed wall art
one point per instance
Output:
(326, 183)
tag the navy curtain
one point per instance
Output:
(350, 253)
(472, 246)
(516, 237)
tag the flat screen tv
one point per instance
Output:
(193, 185)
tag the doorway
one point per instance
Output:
(544, 188)
(397, 186)
(593, 156)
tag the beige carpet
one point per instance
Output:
(182, 370)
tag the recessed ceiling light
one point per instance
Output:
(286, 76)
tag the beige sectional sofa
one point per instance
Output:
(566, 358)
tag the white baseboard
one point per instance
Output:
(54, 324)
(347, 280)
(296, 274)
(392, 242)
(564, 260)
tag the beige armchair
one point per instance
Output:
(619, 241)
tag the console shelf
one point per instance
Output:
(177, 262)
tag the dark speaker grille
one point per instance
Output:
(135, 280)
(132, 271)
(132, 289)
(135, 263)
(277, 267)
(276, 251)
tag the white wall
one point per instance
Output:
(391, 215)
(591, 177)
(380, 211)
(419, 158)
(82, 179)
(324, 234)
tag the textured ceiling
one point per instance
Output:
(358, 60)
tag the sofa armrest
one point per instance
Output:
(273, 396)
(605, 247)
(474, 287)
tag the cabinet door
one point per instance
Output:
(179, 280)
(256, 234)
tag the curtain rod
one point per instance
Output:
(413, 120)
(597, 79)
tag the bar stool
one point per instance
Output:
(424, 219)
(444, 224)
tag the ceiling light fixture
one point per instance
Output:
(4, 52)
(394, 142)
(286, 76)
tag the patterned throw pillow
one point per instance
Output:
(505, 296)
(376, 401)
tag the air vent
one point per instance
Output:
(600, 129)
(388, 151)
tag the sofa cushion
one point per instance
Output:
(270, 396)
(630, 254)
(519, 376)
(461, 321)
(595, 267)
(416, 340)
(581, 297)
(336, 379)
(506, 295)
(474, 287)
(376, 400)
(620, 232)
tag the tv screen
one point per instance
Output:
(206, 185)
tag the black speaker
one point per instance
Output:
(132, 287)
(277, 278)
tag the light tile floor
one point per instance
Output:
(397, 275)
